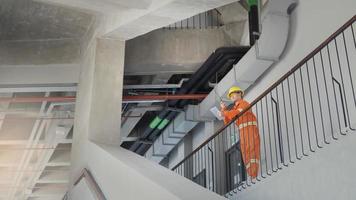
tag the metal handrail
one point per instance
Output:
(93, 185)
(283, 117)
(295, 68)
(208, 19)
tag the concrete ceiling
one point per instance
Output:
(102, 6)
(40, 42)
(30, 20)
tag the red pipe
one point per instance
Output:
(164, 97)
(43, 118)
(124, 98)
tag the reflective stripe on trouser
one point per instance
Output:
(250, 148)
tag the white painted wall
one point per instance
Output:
(302, 41)
(327, 175)
(312, 181)
(311, 23)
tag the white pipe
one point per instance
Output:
(157, 86)
(38, 89)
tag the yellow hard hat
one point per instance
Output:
(234, 89)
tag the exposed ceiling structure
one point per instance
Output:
(35, 144)
(36, 137)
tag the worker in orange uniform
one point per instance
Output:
(247, 125)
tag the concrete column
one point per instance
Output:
(118, 172)
(105, 109)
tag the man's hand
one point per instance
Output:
(222, 105)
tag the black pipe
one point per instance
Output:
(182, 90)
(208, 65)
(201, 77)
(168, 116)
(171, 115)
(253, 21)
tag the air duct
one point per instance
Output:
(265, 52)
(213, 64)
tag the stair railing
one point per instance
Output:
(310, 106)
(92, 184)
(205, 20)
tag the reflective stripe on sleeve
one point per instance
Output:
(243, 125)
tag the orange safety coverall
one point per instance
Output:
(249, 135)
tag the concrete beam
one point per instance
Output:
(39, 74)
(50, 191)
(102, 6)
(40, 52)
(167, 51)
(60, 156)
(60, 176)
(58, 163)
(128, 25)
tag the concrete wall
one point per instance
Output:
(176, 51)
